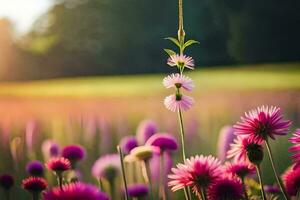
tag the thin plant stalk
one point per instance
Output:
(35, 196)
(100, 184)
(60, 180)
(123, 172)
(162, 192)
(147, 174)
(7, 194)
(203, 194)
(112, 189)
(258, 171)
(298, 195)
(275, 171)
(244, 188)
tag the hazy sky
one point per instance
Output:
(23, 12)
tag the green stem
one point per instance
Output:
(7, 194)
(181, 32)
(244, 188)
(112, 189)
(260, 182)
(162, 192)
(203, 193)
(35, 196)
(123, 172)
(147, 167)
(60, 180)
(275, 171)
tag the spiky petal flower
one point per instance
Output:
(296, 148)
(178, 81)
(35, 168)
(228, 187)
(245, 149)
(107, 167)
(240, 169)
(175, 102)
(291, 179)
(145, 130)
(6, 181)
(128, 143)
(181, 61)
(138, 190)
(58, 164)
(263, 122)
(198, 172)
(34, 184)
(75, 191)
(165, 141)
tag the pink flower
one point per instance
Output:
(246, 150)
(240, 169)
(291, 180)
(181, 61)
(178, 81)
(34, 184)
(58, 164)
(198, 172)
(296, 148)
(263, 122)
(175, 102)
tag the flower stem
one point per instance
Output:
(60, 180)
(148, 173)
(260, 182)
(203, 193)
(35, 196)
(112, 189)
(244, 188)
(275, 171)
(7, 194)
(100, 184)
(123, 172)
(181, 32)
(162, 192)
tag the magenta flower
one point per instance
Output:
(246, 150)
(34, 184)
(296, 148)
(263, 122)
(73, 153)
(6, 181)
(181, 61)
(75, 191)
(228, 187)
(178, 81)
(138, 190)
(58, 164)
(165, 141)
(145, 130)
(291, 179)
(226, 137)
(50, 149)
(35, 168)
(272, 189)
(240, 169)
(107, 167)
(198, 172)
(128, 143)
(175, 102)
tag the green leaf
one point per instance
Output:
(174, 40)
(170, 52)
(189, 43)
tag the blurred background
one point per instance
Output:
(89, 71)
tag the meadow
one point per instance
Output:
(96, 112)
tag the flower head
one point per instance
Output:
(75, 191)
(58, 164)
(165, 141)
(35, 168)
(144, 152)
(240, 169)
(73, 153)
(228, 187)
(272, 189)
(34, 184)
(175, 102)
(291, 179)
(50, 149)
(245, 149)
(296, 148)
(198, 172)
(138, 190)
(107, 167)
(226, 137)
(263, 122)
(6, 181)
(145, 130)
(181, 61)
(178, 81)
(128, 143)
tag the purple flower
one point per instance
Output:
(165, 141)
(296, 148)
(34, 184)
(75, 191)
(261, 123)
(178, 81)
(145, 130)
(128, 143)
(138, 190)
(155, 165)
(50, 149)
(175, 102)
(226, 137)
(6, 181)
(291, 180)
(73, 153)
(107, 167)
(181, 61)
(35, 168)
(272, 189)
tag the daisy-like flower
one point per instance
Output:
(261, 123)
(181, 61)
(58, 164)
(138, 190)
(34, 184)
(175, 102)
(35, 168)
(245, 149)
(178, 81)
(198, 172)
(296, 148)
(75, 191)
(291, 179)
(165, 141)
(228, 187)
(240, 169)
